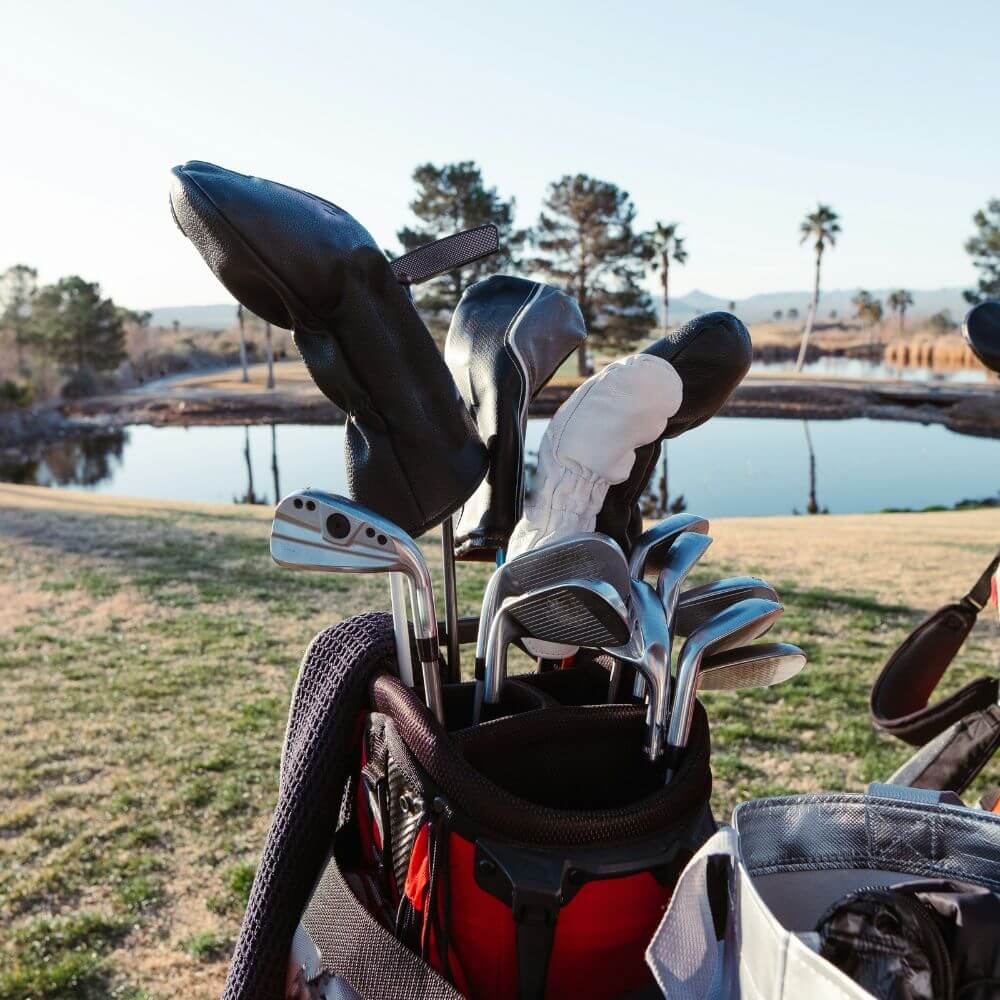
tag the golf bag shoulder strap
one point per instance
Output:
(901, 694)
(321, 751)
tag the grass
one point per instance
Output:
(147, 655)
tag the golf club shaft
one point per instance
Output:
(450, 600)
(401, 627)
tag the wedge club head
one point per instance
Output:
(647, 651)
(589, 613)
(759, 666)
(586, 555)
(697, 605)
(313, 530)
(741, 623)
(651, 547)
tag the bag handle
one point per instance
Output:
(902, 691)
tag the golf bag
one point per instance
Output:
(894, 894)
(958, 735)
(531, 856)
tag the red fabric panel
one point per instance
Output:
(601, 938)
(418, 875)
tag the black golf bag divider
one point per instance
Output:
(530, 856)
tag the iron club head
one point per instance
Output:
(589, 613)
(697, 605)
(313, 530)
(743, 622)
(759, 666)
(651, 547)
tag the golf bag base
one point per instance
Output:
(530, 856)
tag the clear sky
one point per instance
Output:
(731, 117)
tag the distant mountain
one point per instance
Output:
(196, 317)
(760, 308)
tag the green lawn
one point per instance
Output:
(147, 655)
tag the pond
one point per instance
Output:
(730, 466)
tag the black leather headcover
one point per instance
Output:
(712, 354)
(300, 262)
(982, 333)
(507, 338)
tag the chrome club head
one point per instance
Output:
(651, 547)
(647, 651)
(585, 555)
(743, 622)
(697, 605)
(320, 531)
(759, 666)
(589, 613)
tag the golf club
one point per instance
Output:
(759, 666)
(697, 605)
(740, 623)
(682, 556)
(585, 555)
(647, 651)
(322, 531)
(651, 547)
(589, 613)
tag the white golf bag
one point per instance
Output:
(741, 922)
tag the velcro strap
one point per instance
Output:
(448, 254)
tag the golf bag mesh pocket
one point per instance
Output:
(530, 856)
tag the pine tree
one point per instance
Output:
(18, 287)
(82, 331)
(449, 198)
(984, 248)
(588, 245)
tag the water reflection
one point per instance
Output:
(84, 461)
(733, 466)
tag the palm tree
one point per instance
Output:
(899, 301)
(663, 245)
(243, 343)
(822, 227)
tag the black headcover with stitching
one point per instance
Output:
(712, 354)
(507, 338)
(300, 262)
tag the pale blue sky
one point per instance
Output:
(733, 118)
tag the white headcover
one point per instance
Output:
(589, 446)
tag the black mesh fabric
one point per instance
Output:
(445, 255)
(377, 965)
(318, 758)
(562, 741)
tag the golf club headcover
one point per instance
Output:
(981, 330)
(412, 450)
(711, 354)
(589, 445)
(507, 338)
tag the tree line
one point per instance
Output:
(585, 240)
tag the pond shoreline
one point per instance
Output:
(964, 409)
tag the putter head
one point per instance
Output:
(585, 555)
(588, 613)
(697, 605)
(651, 547)
(981, 331)
(314, 530)
(680, 560)
(648, 652)
(758, 666)
(743, 622)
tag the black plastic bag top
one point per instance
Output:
(300, 262)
